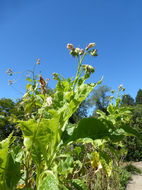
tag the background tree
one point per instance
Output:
(127, 100)
(99, 98)
(8, 110)
(139, 97)
(132, 144)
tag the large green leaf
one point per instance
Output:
(12, 172)
(42, 135)
(3, 161)
(83, 90)
(68, 102)
(129, 130)
(45, 129)
(48, 181)
(91, 128)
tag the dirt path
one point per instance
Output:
(136, 182)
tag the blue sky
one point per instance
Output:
(31, 29)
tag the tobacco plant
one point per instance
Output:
(56, 154)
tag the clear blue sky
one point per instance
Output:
(31, 29)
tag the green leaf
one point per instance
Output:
(63, 187)
(41, 139)
(79, 184)
(110, 109)
(39, 100)
(28, 86)
(106, 162)
(65, 166)
(48, 181)
(4, 145)
(17, 153)
(129, 130)
(24, 189)
(45, 134)
(12, 172)
(28, 128)
(90, 128)
(83, 90)
(28, 79)
(28, 107)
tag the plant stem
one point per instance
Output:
(78, 70)
(30, 152)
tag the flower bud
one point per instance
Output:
(10, 82)
(112, 91)
(123, 89)
(9, 71)
(73, 53)
(46, 80)
(88, 68)
(81, 52)
(38, 61)
(94, 52)
(70, 47)
(90, 46)
(120, 86)
(55, 76)
(77, 51)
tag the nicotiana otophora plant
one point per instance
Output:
(46, 159)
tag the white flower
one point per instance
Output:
(49, 101)
(120, 86)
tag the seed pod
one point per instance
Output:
(42, 84)
(70, 47)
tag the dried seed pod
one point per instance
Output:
(42, 84)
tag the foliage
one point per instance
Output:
(56, 154)
(139, 97)
(132, 144)
(125, 176)
(9, 110)
(133, 169)
(127, 100)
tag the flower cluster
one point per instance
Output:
(88, 69)
(77, 51)
(121, 87)
(9, 71)
(55, 76)
(10, 82)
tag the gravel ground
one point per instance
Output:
(136, 182)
